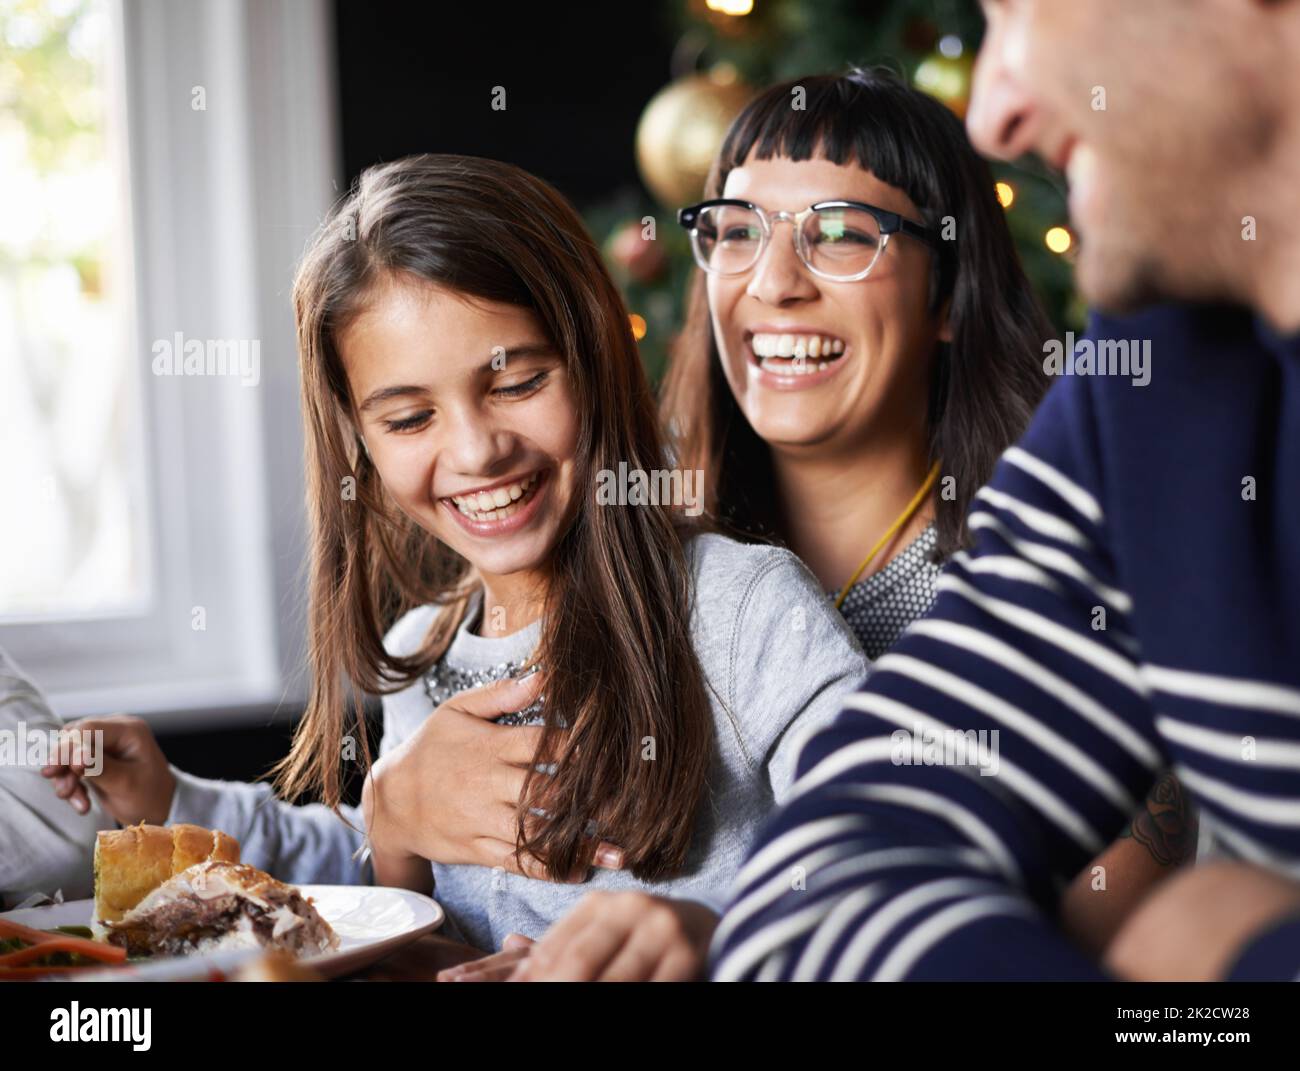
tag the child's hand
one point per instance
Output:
(128, 773)
(449, 793)
(621, 937)
(494, 968)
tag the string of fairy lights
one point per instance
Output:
(948, 78)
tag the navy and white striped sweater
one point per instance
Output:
(1130, 499)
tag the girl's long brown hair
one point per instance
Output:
(615, 643)
(987, 381)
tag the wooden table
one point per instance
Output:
(420, 961)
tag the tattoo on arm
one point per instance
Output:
(1167, 825)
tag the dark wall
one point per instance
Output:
(418, 77)
(235, 754)
(247, 751)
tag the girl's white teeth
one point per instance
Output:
(800, 346)
(793, 368)
(496, 504)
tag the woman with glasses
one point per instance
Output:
(861, 346)
(861, 343)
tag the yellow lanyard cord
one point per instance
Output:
(903, 518)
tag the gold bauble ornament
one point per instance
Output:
(681, 131)
(947, 78)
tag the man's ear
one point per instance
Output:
(945, 322)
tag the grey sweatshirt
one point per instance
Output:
(777, 659)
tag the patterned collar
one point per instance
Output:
(442, 682)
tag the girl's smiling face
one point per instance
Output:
(466, 410)
(874, 338)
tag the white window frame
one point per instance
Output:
(223, 202)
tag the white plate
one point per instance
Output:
(371, 921)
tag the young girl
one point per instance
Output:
(564, 681)
(469, 378)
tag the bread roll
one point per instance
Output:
(130, 863)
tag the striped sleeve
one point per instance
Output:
(995, 750)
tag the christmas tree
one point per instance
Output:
(726, 51)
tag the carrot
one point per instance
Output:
(43, 943)
(25, 933)
(79, 945)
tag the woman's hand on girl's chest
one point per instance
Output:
(449, 793)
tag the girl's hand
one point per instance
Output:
(494, 968)
(449, 793)
(621, 937)
(129, 775)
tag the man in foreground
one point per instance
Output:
(1133, 599)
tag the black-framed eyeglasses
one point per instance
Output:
(836, 240)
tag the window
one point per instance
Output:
(169, 161)
(71, 541)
